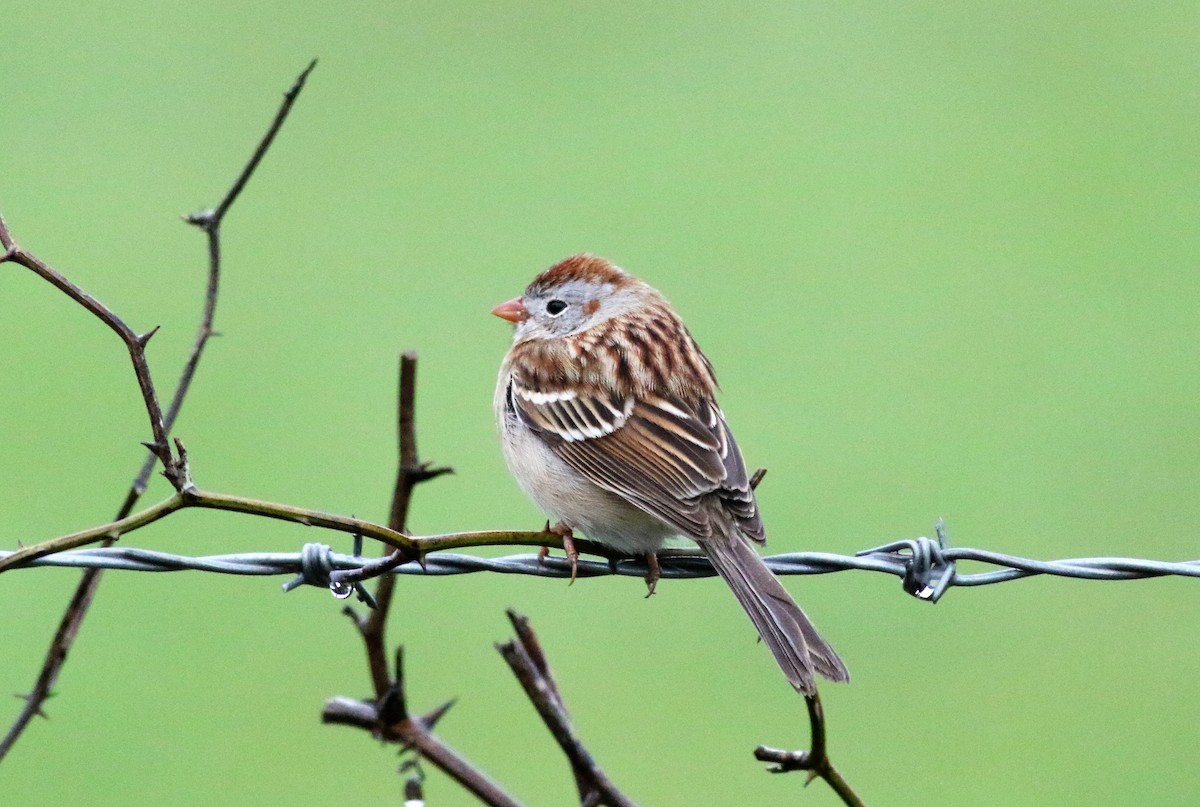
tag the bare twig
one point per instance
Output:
(85, 591)
(411, 470)
(289, 97)
(524, 655)
(815, 760)
(409, 473)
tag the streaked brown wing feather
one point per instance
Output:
(661, 453)
(616, 469)
(736, 492)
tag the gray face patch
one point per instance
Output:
(564, 310)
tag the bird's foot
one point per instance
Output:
(653, 573)
(563, 531)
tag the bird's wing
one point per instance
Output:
(659, 452)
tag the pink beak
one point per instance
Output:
(512, 310)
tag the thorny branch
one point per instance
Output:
(387, 716)
(161, 425)
(389, 720)
(409, 473)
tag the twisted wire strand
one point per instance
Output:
(927, 567)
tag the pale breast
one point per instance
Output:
(566, 495)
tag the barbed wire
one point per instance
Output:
(926, 566)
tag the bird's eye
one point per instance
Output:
(555, 307)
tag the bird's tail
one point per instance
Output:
(798, 648)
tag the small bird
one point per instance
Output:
(609, 422)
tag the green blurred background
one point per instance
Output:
(944, 257)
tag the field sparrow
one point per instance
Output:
(609, 423)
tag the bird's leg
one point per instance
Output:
(543, 551)
(653, 573)
(563, 531)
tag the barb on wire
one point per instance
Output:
(677, 564)
(315, 570)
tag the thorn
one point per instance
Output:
(424, 472)
(298, 85)
(144, 338)
(808, 780)
(421, 561)
(430, 718)
(154, 446)
(201, 218)
(30, 697)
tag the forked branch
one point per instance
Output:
(388, 720)
(161, 425)
(815, 760)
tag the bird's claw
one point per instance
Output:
(653, 573)
(563, 531)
